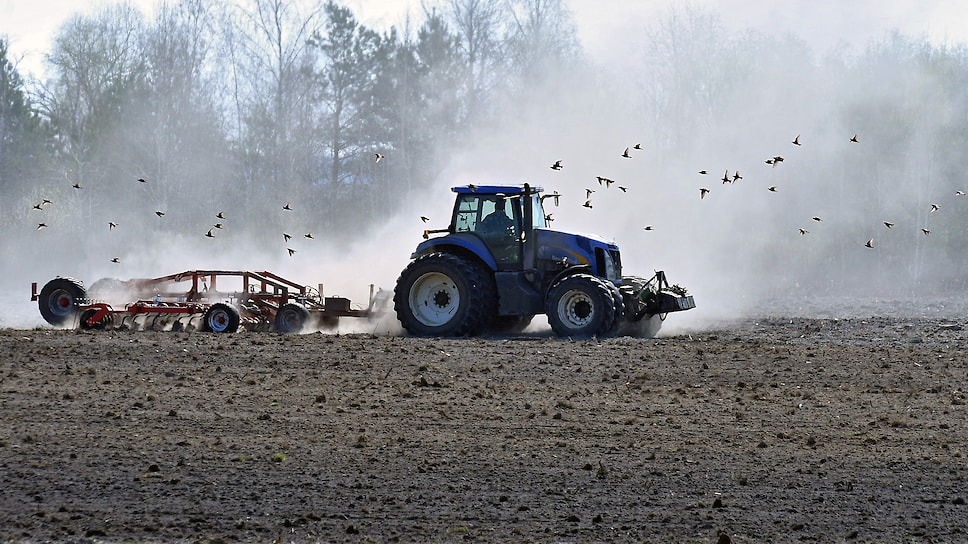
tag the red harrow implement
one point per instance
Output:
(192, 301)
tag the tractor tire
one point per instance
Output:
(220, 318)
(291, 318)
(580, 306)
(441, 294)
(59, 300)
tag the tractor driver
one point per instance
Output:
(498, 223)
(499, 231)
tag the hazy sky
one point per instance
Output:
(607, 29)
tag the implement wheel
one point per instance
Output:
(59, 299)
(581, 306)
(221, 317)
(291, 318)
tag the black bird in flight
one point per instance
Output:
(379, 157)
(209, 233)
(286, 236)
(159, 213)
(290, 250)
(888, 224)
(142, 180)
(626, 154)
(870, 243)
(702, 192)
(854, 139)
(288, 206)
(308, 235)
(116, 260)
(796, 141)
(556, 165)
(220, 215)
(111, 225)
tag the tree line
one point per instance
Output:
(253, 103)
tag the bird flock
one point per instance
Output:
(731, 177)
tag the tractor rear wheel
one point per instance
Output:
(59, 300)
(580, 306)
(291, 318)
(221, 317)
(441, 294)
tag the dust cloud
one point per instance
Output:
(724, 107)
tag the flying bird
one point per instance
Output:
(76, 186)
(803, 231)
(308, 235)
(218, 226)
(934, 208)
(116, 260)
(959, 193)
(220, 215)
(817, 219)
(379, 157)
(45, 202)
(286, 236)
(41, 226)
(702, 192)
(209, 233)
(587, 204)
(637, 146)
(111, 225)
(159, 213)
(726, 178)
(796, 141)
(888, 224)
(626, 154)
(703, 172)
(769, 161)
(854, 139)
(39, 206)
(737, 177)
(926, 231)
(870, 243)
(777, 160)
(288, 206)
(424, 218)
(588, 193)
(556, 165)
(772, 188)
(647, 227)
(624, 189)
(290, 250)
(142, 180)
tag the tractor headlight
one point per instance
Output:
(609, 267)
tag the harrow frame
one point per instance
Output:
(266, 301)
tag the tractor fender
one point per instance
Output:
(460, 243)
(576, 269)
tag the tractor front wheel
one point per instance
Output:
(442, 294)
(580, 306)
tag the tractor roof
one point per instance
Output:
(494, 189)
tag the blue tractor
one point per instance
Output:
(497, 265)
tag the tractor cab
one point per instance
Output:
(500, 218)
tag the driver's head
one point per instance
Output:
(499, 204)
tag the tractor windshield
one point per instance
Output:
(496, 218)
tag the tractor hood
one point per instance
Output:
(600, 254)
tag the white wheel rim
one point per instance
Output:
(434, 299)
(576, 308)
(218, 321)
